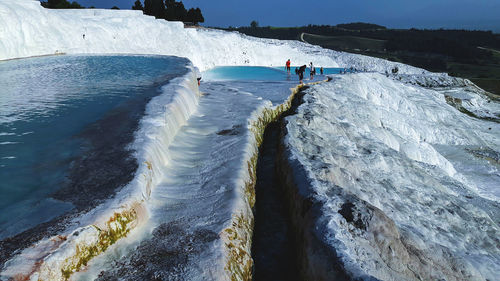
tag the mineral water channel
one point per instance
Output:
(273, 249)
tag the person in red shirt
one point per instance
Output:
(288, 66)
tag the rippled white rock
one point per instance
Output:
(390, 163)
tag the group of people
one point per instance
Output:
(300, 70)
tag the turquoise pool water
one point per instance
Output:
(258, 73)
(59, 113)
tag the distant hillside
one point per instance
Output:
(360, 26)
(345, 43)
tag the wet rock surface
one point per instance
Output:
(164, 256)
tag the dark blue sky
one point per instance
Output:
(469, 14)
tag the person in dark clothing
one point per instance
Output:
(301, 71)
(321, 70)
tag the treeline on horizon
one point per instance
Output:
(458, 44)
(168, 9)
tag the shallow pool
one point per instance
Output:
(258, 73)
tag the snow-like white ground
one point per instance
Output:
(412, 166)
(399, 159)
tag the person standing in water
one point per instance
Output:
(312, 70)
(288, 63)
(321, 70)
(301, 71)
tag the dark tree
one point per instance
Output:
(137, 5)
(148, 7)
(61, 4)
(175, 11)
(254, 24)
(190, 17)
(194, 16)
(181, 11)
(169, 10)
(51, 4)
(158, 9)
(198, 16)
(75, 5)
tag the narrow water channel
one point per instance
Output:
(273, 246)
